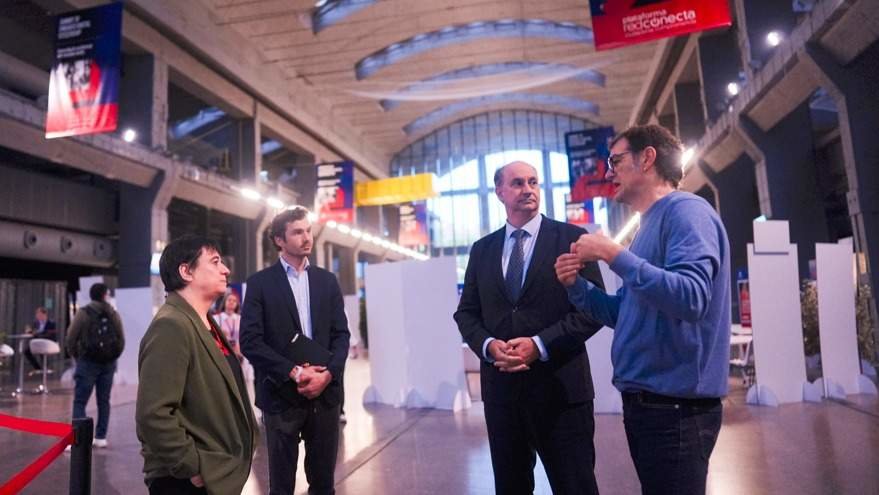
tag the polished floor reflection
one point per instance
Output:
(824, 448)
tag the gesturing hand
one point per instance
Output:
(567, 266)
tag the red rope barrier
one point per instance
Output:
(63, 430)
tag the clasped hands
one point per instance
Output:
(311, 380)
(513, 355)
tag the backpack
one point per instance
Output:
(100, 341)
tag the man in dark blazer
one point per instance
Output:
(288, 298)
(43, 328)
(514, 314)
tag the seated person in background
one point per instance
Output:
(43, 328)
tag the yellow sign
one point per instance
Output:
(395, 190)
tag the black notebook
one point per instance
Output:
(303, 350)
(300, 350)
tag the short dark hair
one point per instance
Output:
(278, 227)
(98, 291)
(182, 251)
(668, 149)
(43, 310)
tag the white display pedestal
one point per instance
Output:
(779, 360)
(836, 322)
(414, 346)
(607, 398)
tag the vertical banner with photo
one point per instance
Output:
(413, 225)
(84, 82)
(587, 161)
(334, 196)
(619, 23)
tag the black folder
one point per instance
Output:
(300, 350)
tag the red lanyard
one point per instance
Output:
(219, 341)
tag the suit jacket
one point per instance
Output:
(270, 319)
(485, 310)
(191, 417)
(49, 332)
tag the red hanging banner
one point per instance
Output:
(619, 23)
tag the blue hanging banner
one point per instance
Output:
(587, 162)
(84, 82)
(334, 196)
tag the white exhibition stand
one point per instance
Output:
(414, 346)
(607, 398)
(779, 360)
(836, 322)
(135, 307)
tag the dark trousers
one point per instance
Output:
(671, 440)
(560, 435)
(91, 375)
(35, 363)
(318, 426)
(174, 486)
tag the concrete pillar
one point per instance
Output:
(143, 230)
(347, 273)
(245, 154)
(690, 112)
(853, 89)
(787, 179)
(720, 63)
(143, 99)
(735, 191)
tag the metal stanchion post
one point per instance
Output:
(81, 457)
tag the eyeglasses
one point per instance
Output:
(615, 159)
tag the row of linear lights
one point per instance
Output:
(773, 39)
(277, 204)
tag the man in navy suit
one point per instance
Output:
(288, 298)
(514, 314)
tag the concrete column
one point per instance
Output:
(690, 111)
(143, 99)
(786, 175)
(347, 273)
(143, 230)
(735, 191)
(719, 63)
(245, 151)
(853, 88)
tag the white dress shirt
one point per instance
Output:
(299, 285)
(528, 243)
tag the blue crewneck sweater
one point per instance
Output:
(671, 318)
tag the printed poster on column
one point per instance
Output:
(587, 162)
(334, 197)
(84, 82)
(617, 23)
(413, 225)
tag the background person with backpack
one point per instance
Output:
(95, 338)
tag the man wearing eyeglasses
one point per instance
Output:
(671, 318)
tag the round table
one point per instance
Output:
(22, 339)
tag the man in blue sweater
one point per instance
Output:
(671, 318)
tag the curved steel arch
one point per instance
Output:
(428, 120)
(464, 33)
(329, 12)
(586, 75)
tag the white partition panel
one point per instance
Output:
(414, 345)
(607, 398)
(775, 314)
(135, 307)
(836, 320)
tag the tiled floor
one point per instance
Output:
(826, 448)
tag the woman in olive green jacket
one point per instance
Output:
(193, 415)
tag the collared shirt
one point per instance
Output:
(299, 285)
(528, 243)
